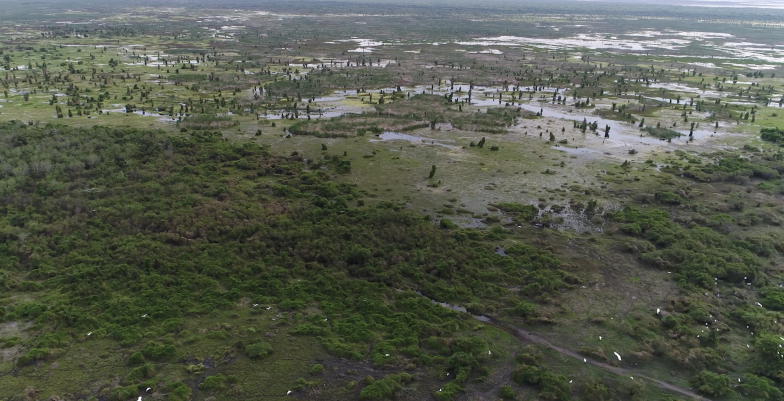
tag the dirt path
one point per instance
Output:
(526, 336)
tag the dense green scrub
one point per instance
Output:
(774, 135)
(699, 330)
(128, 234)
(671, 246)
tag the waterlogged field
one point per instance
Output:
(373, 202)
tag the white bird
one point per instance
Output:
(758, 304)
(325, 320)
(570, 382)
(616, 354)
(387, 355)
(144, 315)
(255, 305)
(658, 311)
(632, 377)
(148, 389)
(447, 374)
(585, 360)
(739, 380)
(90, 333)
(288, 392)
(269, 307)
(600, 338)
(139, 399)
(489, 353)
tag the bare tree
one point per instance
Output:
(40, 168)
(91, 160)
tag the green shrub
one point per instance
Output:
(137, 358)
(308, 329)
(383, 353)
(462, 360)
(525, 309)
(551, 386)
(436, 344)
(712, 384)
(447, 224)
(774, 135)
(527, 374)
(554, 387)
(532, 356)
(773, 299)
(384, 388)
(668, 198)
(316, 369)
(258, 350)
(178, 391)
(172, 325)
(219, 335)
(301, 384)
(768, 347)
(758, 388)
(139, 373)
(340, 348)
(158, 352)
(195, 369)
(212, 383)
(33, 355)
(412, 351)
(595, 391)
(10, 342)
(124, 393)
(449, 392)
(506, 393)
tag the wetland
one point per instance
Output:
(356, 200)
